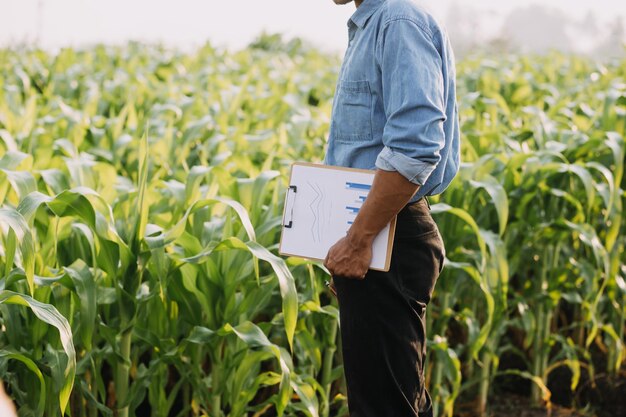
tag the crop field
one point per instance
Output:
(141, 195)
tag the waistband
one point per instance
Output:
(420, 200)
(419, 207)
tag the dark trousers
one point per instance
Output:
(383, 327)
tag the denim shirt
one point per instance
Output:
(395, 102)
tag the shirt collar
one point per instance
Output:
(364, 12)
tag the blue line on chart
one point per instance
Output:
(350, 222)
(362, 197)
(358, 186)
(354, 209)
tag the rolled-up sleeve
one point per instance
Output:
(413, 99)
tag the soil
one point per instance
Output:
(512, 405)
(518, 406)
(605, 397)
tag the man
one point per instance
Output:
(394, 111)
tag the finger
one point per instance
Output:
(326, 260)
(351, 274)
(330, 270)
(328, 253)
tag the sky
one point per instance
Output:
(231, 23)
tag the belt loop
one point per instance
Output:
(427, 202)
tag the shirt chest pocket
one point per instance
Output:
(352, 118)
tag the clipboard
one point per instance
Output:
(320, 206)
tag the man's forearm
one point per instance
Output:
(390, 192)
(351, 256)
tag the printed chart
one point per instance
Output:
(361, 191)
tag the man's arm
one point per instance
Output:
(351, 256)
(413, 97)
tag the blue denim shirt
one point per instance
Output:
(395, 103)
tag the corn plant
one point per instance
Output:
(141, 193)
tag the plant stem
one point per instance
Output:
(437, 373)
(93, 387)
(122, 374)
(535, 392)
(542, 333)
(483, 388)
(216, 379)
(327, 369)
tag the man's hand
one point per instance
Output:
(348, 258)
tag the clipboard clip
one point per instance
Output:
(289, 207)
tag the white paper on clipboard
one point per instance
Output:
(320, 206)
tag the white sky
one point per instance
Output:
(232, 23)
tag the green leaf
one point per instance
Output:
(22, 182)
(8, 140)
(55, 179)
(85, 286)
(286, 281)
(254, 337)
(466, 217)
(498, 195)
(22, 232)
(48, 314)
(142, 185)
(6, 355)
(13, 159)
(164, 238)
